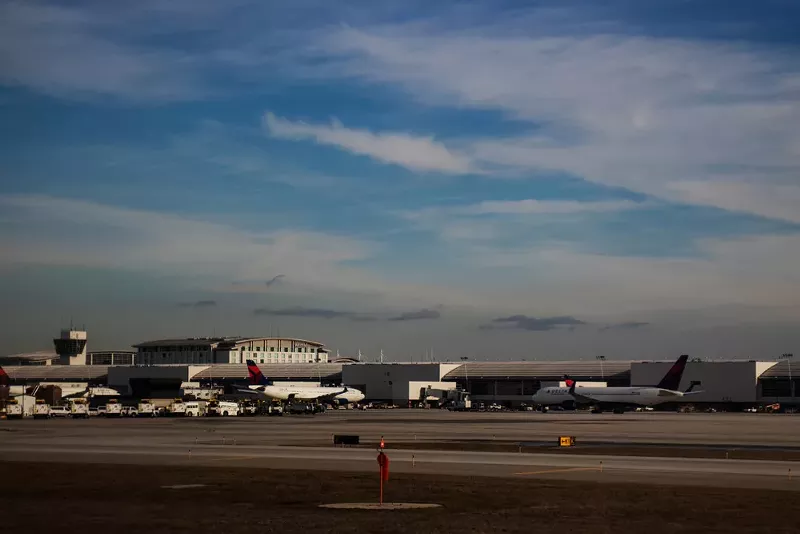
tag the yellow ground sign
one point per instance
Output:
(566, 441)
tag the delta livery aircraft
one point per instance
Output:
(261, 384)
(620, 398)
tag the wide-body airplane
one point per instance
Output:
(261, 384)
(620, 397)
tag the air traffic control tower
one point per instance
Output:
(71, 347)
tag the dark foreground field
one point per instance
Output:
(118, 498)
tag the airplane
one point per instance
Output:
(260, 384)
(68, 391)
(620, 398)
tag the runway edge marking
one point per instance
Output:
(563, 470)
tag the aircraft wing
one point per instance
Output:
(579, 397)
(582, 398)
(331, 396)
(250, 390)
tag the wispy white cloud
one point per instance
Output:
(775, 201)
(757, 271)
(51, 231)
(491, 219)
(64, 51)
(538, 207)
(637, 112)
(60, 231)
(413, 152)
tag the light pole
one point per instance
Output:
(788, 357)
(602, 370)
(466, 371)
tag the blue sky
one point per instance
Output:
(451, 163)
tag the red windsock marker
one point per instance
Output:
(383, 465)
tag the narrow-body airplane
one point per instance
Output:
(261, 384)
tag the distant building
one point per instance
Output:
(71, 347)
(111, 357)
(198, 351)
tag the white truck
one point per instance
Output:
(146, 408)
(248, 408)
(41, 410)
(113, 408)
(79, 409)
(195, 408)
(20, 406)
(222, 409)
(59, 411)
(14, 409)
(177, 408)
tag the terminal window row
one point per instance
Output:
(285, 349)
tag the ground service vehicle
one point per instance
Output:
(222, 409)
(113, 408)
(194, 409)
(146, 408)
(41, 410)
(14, 409)
(59, 411)
(248, 408)
(301, 408)
(177, 408)
(79, 409)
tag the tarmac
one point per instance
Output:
(305, 442)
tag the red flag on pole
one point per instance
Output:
(383, 464)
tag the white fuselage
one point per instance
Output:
(341, 394)
(641, 396)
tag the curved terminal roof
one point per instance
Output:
(230, 342)
(542, 370)
(181, 342)
(290, 371)
(221, 342)
(57, 372)
(39, 356)
(781, 370)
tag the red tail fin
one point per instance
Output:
(255, 375)
(3, 377)
(672, 380)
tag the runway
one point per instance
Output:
(305, 443)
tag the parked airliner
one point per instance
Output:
(261, 384)
(620, 397)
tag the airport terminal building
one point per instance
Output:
(227, 350)
(160, 366)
